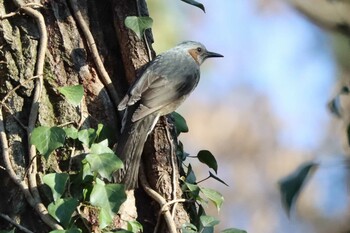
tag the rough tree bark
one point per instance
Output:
(70, 59)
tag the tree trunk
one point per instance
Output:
(30, 98)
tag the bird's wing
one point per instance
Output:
(160, 85)
(164, 92)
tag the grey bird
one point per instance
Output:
(164, 84)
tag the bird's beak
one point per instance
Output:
(212, 54)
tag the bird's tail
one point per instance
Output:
(130, 147)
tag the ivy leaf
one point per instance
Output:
(100, 148)
(188, 228)
(213, 196)
(208, 158)
(108, 197)
(73, 94)
(86, 172)
(87, 136)
(47, 139)
(98, 131)
(208, 221)
(104, 164)
(193, 190)
(195, 3)
(72, 230)
(135, 226)
(8, 231)
(190, 176)
(217, 178)
(180, 123)
(291, 185)
(71, 132)
(233, 230)
(62, 210)
(57, 183)
(103, 160)
(138, 24)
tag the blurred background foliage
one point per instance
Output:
(262, 110)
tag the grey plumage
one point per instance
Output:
(162, 87)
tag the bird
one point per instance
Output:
(159, 90)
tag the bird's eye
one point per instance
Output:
(199, 49)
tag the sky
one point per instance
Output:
(276, 53)
(279, 54)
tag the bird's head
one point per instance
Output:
(197, 51)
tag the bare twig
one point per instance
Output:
(165, 207)
(172, 155)
(14, 117)
(160, 200)
(22, 228)
(23, 184)
(150, 58)
(95, 54)
(2, 17)
(39, 70)
(15, 88)
(2, 102)
(33, 5)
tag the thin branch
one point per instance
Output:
(159, 199)
(9, 15)
(15, 88)
(95, 54)
(172, 155)
(22, 228)
(23, 184)
(2, 102)
(16, 12)
(39, 70)
(150, 58)
(14, 117)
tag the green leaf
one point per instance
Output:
(213, 196)
(217, 178)
(47, 139)
(99, 131)
(73, 94)
(233, 230)
(57, 183)
(101, 148)
(190, 176)
(62, 210)
(193, 190)
(135, 226)
(8, 231)
(86, 171)
(180, 153)
(103, 160)
(108, 197)
(291, 185)
(72, 230)
(208, 158)
(188, 228)
(87, 136)
(138, 24)
(208, 221)
(104, 164)
(180, 123)
(195, 3)
(71, 132)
